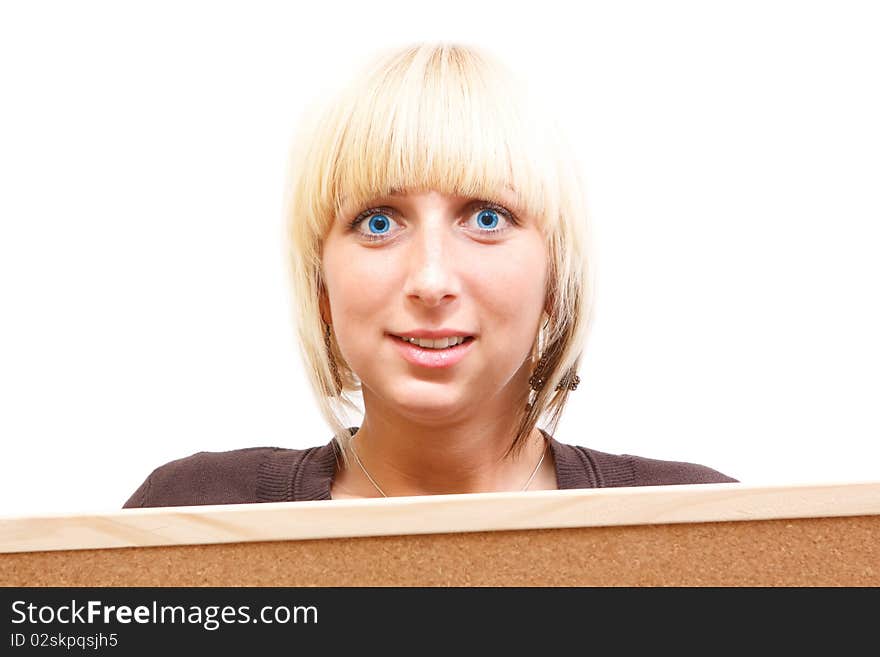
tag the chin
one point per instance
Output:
(429, 402)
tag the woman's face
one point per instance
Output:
(428, 265)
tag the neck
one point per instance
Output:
(405, 457)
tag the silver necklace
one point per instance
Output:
(373, 481)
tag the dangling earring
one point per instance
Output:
(537, 379)
(337, 380)
(570, 381)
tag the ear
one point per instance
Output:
(326, 315)
(324, 304)
(549, 301)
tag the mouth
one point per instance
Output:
(436, 343)
(433, 353)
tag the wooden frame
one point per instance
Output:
(716, 535)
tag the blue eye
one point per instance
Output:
(374, 224)
(379, 224)
(487, 219)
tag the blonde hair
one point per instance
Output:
(453, 119)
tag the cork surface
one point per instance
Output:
(826, 551)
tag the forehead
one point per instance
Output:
(504, 194)
(504, 191)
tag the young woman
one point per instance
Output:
(440, 262)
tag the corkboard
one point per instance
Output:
(838, 547)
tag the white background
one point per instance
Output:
(732, 154)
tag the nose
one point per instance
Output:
(431, 277)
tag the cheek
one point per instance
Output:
(514, 285)
(358, 293)
(355, 285)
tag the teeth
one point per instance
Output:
(439, 343)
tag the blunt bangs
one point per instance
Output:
(438, 118)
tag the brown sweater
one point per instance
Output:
(273, 474)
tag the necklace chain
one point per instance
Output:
(378, 488)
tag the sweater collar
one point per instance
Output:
(316, 469)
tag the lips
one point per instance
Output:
(437, 343)
(432, 358)
(435, 334)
